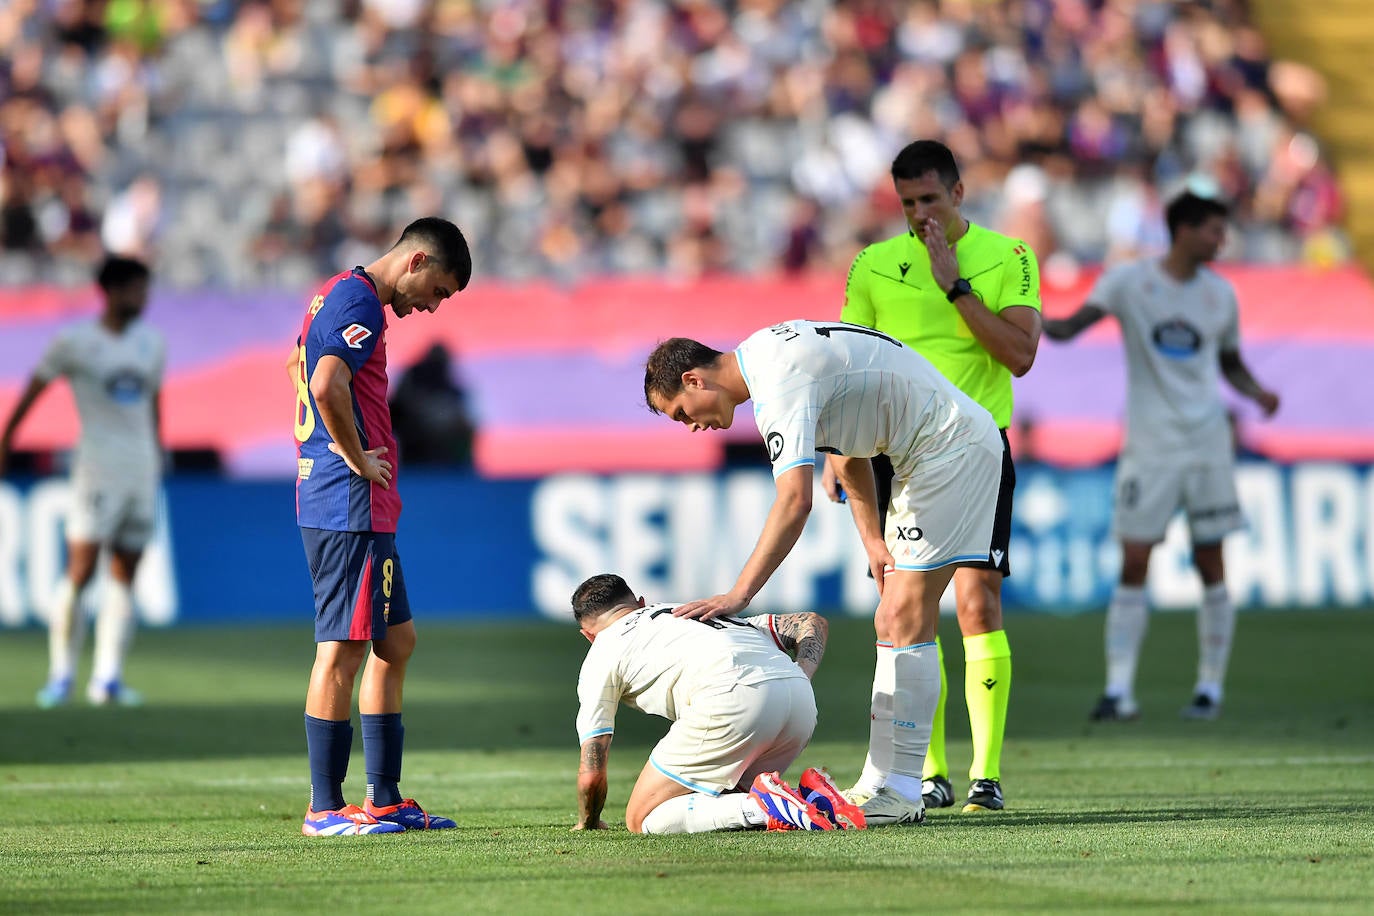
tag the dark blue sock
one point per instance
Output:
(383, 740)
(329, 744)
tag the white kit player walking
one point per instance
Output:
(1181, 329)
(855, 393)
(114, 364)
(741, 708)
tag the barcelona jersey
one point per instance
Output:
(345, 319)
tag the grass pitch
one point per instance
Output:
(193, 803)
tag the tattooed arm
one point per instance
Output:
(591, 783)
(803, 636)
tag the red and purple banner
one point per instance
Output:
(555, 375)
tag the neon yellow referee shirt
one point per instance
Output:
(890, 288)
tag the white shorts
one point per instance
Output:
(120, 513)
(725, 738)
(944, 513)
(1149, 493)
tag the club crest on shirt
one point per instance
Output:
(1176, 338)
(355, 334)
(774, 443)
(125, 386)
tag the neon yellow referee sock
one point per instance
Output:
(987, 688)
(936, 764)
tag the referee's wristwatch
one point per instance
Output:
(961, 287)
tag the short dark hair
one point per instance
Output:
(117, 271)
(599, 594)
(1189, 209)
(445, 242)
(664, 367)
(923, 156)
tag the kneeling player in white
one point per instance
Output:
(742, 711)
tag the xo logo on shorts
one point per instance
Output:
(909, 533)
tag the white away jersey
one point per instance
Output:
(853, 391)
(655, 662)
(1173, 334)
(114, 378)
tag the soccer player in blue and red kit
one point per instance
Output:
(347, 508)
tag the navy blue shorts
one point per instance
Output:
(359, 588)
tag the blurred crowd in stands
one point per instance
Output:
(271, 142)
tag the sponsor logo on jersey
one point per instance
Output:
(316, 304)
(904, 267)
(1176, 338)
(774, 441)
(355, 334)
(125, 386)
(909, 533)
(303, 468)
(997, 556)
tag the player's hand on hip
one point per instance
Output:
(707, 608)
(373, 466)
(944, 266)
(1268, 402)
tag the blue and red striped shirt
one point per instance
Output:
(345, 319)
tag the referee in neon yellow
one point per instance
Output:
(968, 300)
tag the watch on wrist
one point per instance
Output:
(961, 287)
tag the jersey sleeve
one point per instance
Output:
(858, 304)
(1229, 341)
(159, 360)
(57, 358)
(768, 623)
(788, 425)
(350, 329)
(1106, 292)
(786, 407)
(1021, 282)
(598, 695)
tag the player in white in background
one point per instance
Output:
(854, 393)
(741, 709)
(114, 364)
(1181, 330)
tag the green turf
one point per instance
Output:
(193, 803)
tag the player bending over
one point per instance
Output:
(741, 709)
